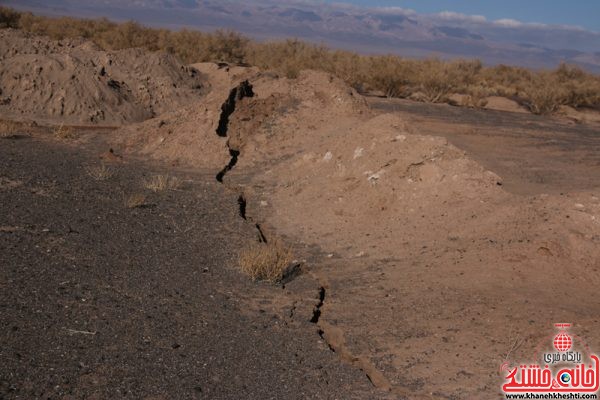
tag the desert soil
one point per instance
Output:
(435, 242)
(99, 300)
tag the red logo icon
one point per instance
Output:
(565, 370)
(562, 341)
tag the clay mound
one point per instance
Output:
(183, 137)
(74, 82)
(586, 116)
(189, 136)
(504, 104)
(372, 174)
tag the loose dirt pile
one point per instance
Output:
(74, 82)
(188, 136)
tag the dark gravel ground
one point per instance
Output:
(102, 301)
(481, 117)
(533, 154)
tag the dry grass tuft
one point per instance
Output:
(99, 172)
(135, 200)
(159, 183)
(265, 261)
(63, 132)
(8, 129)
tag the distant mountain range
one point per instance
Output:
(367, 30)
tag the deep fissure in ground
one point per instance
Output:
(244, 89)
(232, 161)
(317, 310)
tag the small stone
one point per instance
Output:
(358, 152)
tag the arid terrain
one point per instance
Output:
(431, 243)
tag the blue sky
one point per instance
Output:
(584, 13)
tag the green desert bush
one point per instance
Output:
(434, 80)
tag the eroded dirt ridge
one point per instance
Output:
(243, 90)
(333, 336)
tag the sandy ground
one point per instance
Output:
(74, 82)
(443, 241)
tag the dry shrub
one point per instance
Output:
(8, 129)
(477, 97)
(9, 18)
(227, 45)
(265, 261)
(438, 79)
(350, 67)
(99, 172)
(544, 95)
(580, 88)
(159, 183)
(135, 200)
(390, 75)
(63, 132)
(290, 57)
(435, 83)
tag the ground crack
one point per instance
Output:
(334, 338)
(234, 159)
(242, 204)
(317, 310)
(243, 90)
(236, 94)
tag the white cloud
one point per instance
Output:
(397, 10)
(454, 16)
(509, 23)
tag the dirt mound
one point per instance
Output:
(423, 254)
(427, 249)
(586, 116)
(504, 104)
(190, 135)
(365, 173)
(74, 82)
